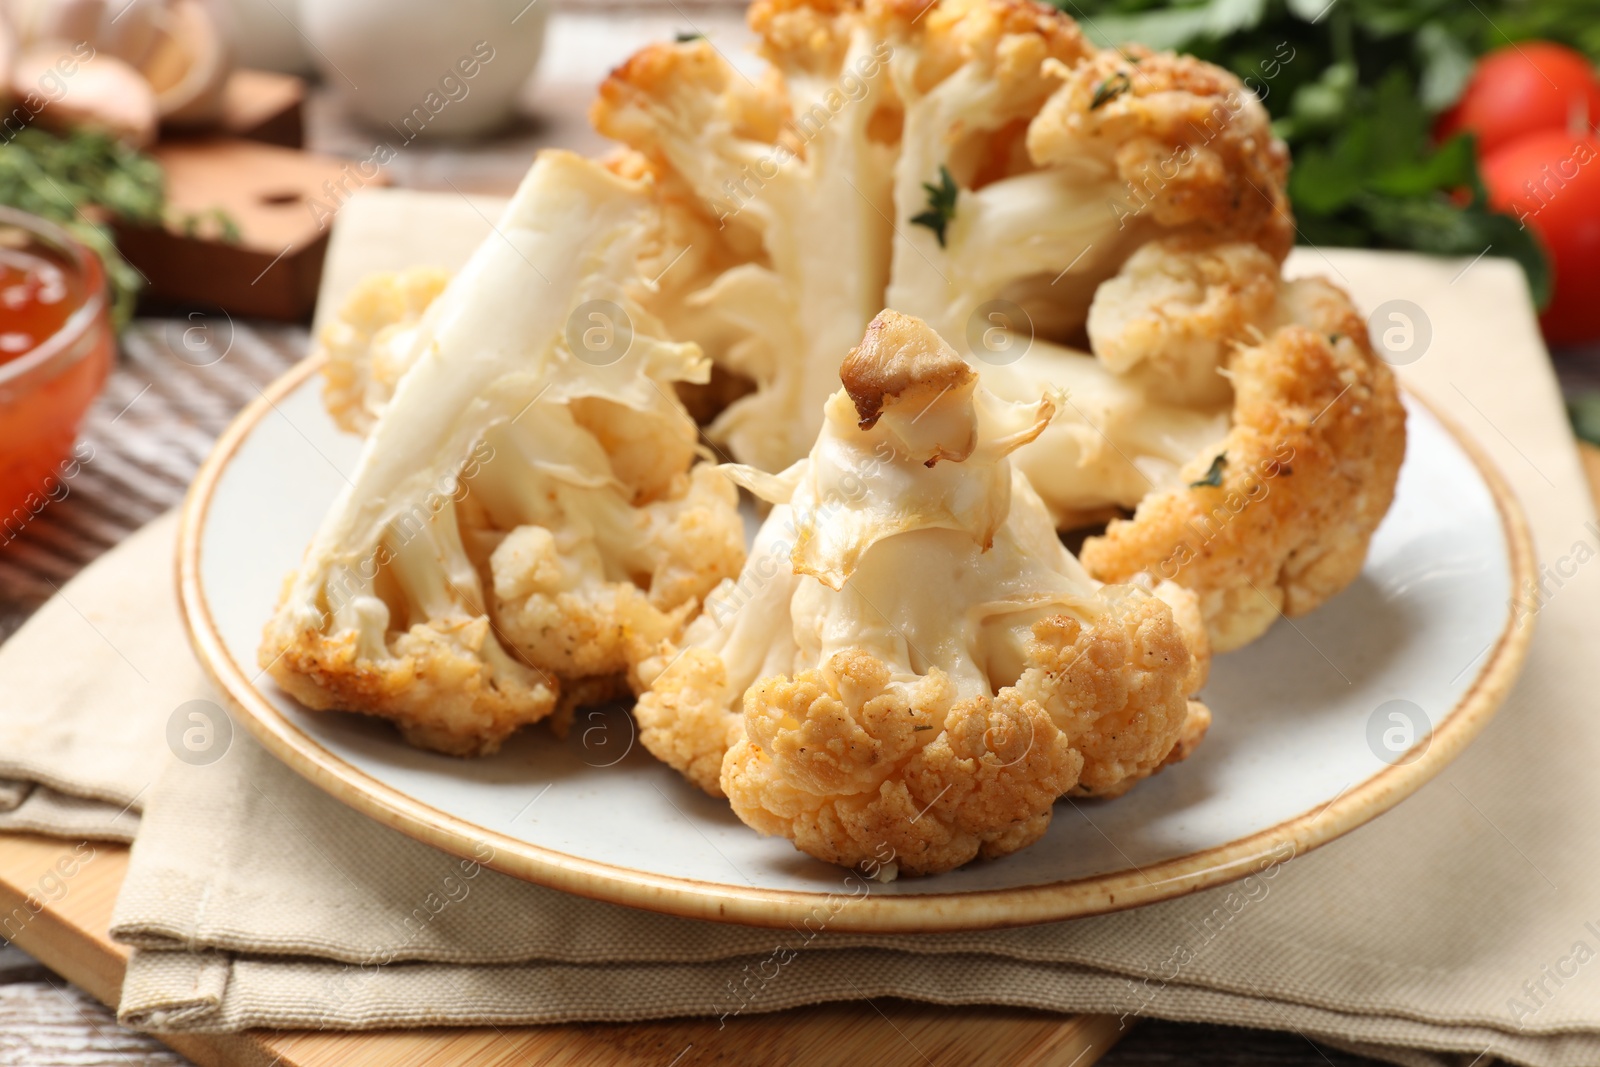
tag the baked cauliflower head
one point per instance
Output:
(1244, 420)
(953, 159)
(525, 507)
(911, 658)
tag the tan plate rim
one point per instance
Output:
(867, 913)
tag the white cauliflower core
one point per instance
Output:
(911, 658)
(524, 509)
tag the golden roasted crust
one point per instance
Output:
(853, 782)
(1194, 146)
(856, 768)
(899, 356)
(1012, 38)
(1195, 725)
(809, 35)
(703, 90)
(684, 716)
(435, 683)
(1309, 471)
(1117, 687)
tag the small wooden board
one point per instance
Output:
(281, 200)
(69, 935)
(261, 105)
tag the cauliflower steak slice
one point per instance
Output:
(910, 658)
(524, 507)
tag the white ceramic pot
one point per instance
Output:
(426, 68)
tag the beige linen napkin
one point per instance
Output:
(81, 740)
(1455, 927)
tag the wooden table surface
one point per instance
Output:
(162, 408)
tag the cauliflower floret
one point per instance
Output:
(1244, 417)
(1277, 516)
(910, 658)
(1059, 162)
(523, 511)
(1173, 313)
(371, 342)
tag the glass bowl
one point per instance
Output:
(56, 348)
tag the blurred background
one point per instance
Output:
(170, 171)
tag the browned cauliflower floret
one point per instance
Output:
(911, 660)
(1244, 417)
(1190, 144)
(370, 342)
(836, 761)
(1278, 517)
(444, 682)
(1033, 166)
(524, 509)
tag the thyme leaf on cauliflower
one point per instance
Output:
(941, 205)
(1110, 89)
(1213, 475)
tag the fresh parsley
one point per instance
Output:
(685, 38)
(82, 181)
(941, 205)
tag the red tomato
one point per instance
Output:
(1550, 180)
(1526, 86)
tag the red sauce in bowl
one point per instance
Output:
(56, 348)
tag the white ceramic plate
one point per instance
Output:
(1305, 745)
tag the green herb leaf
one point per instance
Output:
(82, 181)
(1213, 478)
(1110, 89)
(941, 205)
(685, 38)
(1167, 26)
